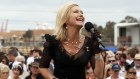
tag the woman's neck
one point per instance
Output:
(73, 34)
(114, 77)
(33, 76)
(16, 78)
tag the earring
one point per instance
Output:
(66, 27)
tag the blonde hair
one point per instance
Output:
(3, 67)
(61, 18)
(107, 67)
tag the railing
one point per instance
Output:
(125, 40)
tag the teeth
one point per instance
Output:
(80, 19)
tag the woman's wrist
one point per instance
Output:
(55, 78)
(98, 57)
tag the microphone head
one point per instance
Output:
(88, 26)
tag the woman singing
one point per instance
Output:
(70, 50)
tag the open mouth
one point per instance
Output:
(80, 19)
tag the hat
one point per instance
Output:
(116, 67)
(137, 56)
(35, 64)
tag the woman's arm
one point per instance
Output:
(46, 58)
(46, 73)
(98, 65)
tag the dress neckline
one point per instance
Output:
(74, 55)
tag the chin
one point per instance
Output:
(80, 24)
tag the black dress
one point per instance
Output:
(39, 76)
(67, 66)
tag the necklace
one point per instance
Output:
(73, 47)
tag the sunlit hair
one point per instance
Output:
(3, 68)
(107, 68)
(61, 18)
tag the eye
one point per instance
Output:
(81, 12)
(76, 11)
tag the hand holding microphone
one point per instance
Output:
(95, 35)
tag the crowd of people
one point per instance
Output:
(121, 64)
(15, 65)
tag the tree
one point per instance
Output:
(109, 31)
(129, 19)
(28, 35)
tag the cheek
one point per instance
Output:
(137, 62)
(71, 20)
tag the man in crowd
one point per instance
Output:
(34, 71)
(115, 72)
(137, 64)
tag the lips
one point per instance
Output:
(80, 19)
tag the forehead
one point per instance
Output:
(75, 8)
(119, 52)
(5, 70)
(132, 69)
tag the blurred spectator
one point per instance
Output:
(89, 72)
(2, 53)
(4, 60)
(137, 64)
(122, 63)
(22, 60)
(36, 53)
(4, 71)
(130, 55)
(109, 54)
(108, 71)
(17, 70)
(115, 72)
(117, 55)
(12, 55)
(34, 71)
(111, 60)
(131, 72)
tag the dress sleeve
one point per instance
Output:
(47, 53)
(92, 53)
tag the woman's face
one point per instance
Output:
(132, 73)
(4, 74)
(76, 17)
(16, 72)
(109, 71)
(4, 61)
(34, 70)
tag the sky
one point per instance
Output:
(35, 14)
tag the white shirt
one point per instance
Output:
(118, 78)
(138, 72)
(10, 77)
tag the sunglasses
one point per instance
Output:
(118, 54)
(134, 73)
(111, 61)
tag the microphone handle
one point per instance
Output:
(98, 39)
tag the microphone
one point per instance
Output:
(90, 28)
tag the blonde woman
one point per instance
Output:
(4, 71)
(70, 50)
(108, 70)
